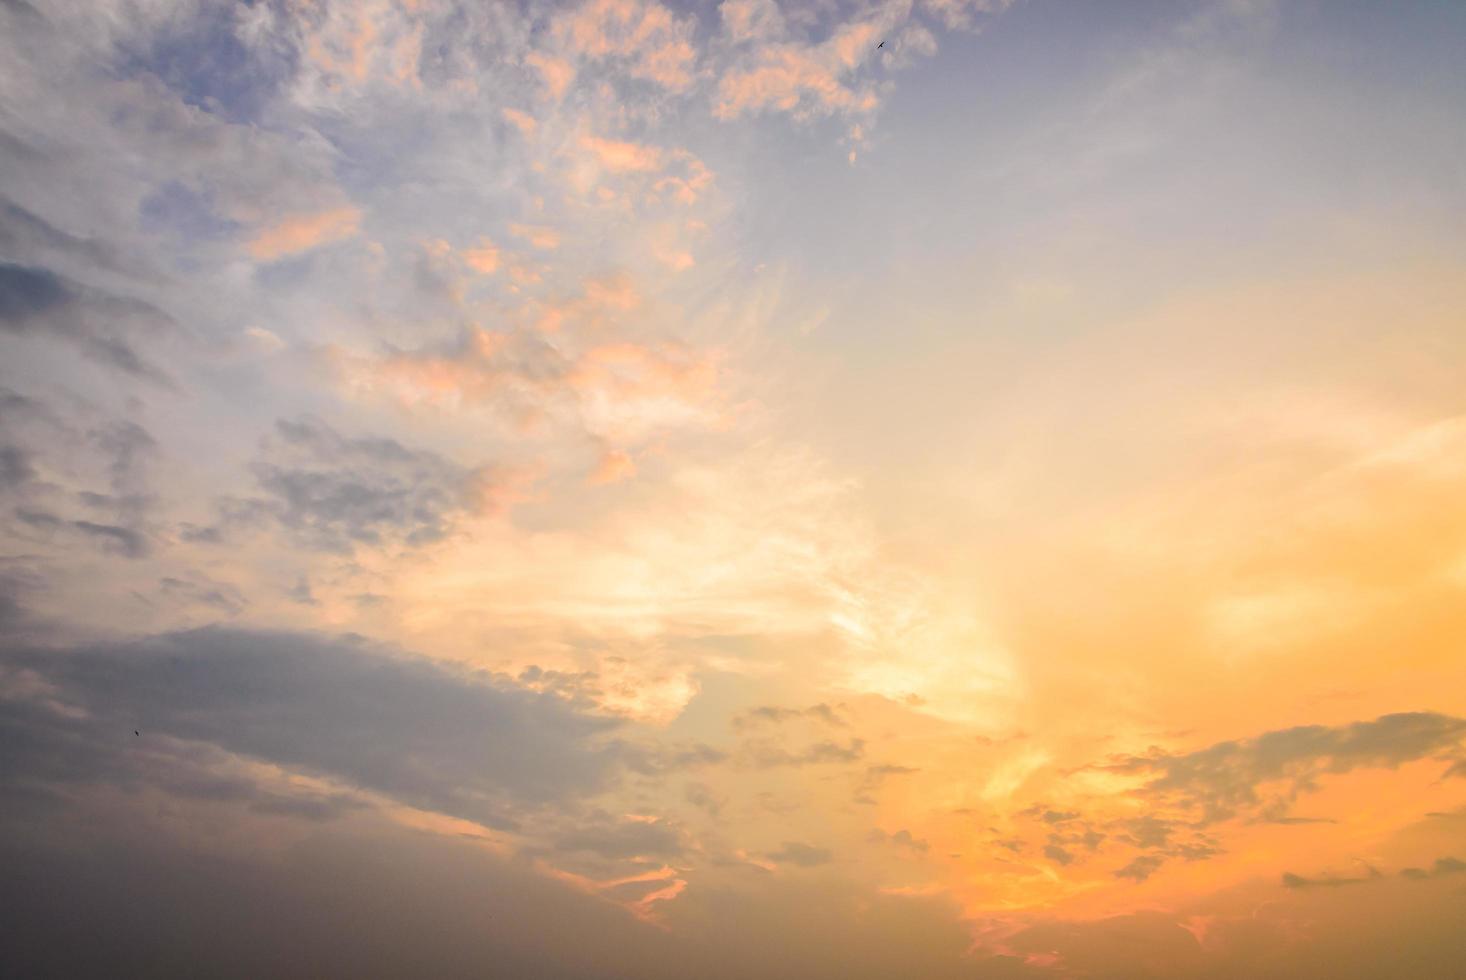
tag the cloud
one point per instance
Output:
(483, 258)
(773, 714)
(622, 157)
(537, 235)
(964, 14)
(423, 733)
(646, 39)
(522, 121)
(1229, 776)
(800, 854)
(1291, 880)
(1443, 866)
(22, 232)
(764, 754)
(556, 73)
(747, 20)
(620, 839)
(901, 838)
(302, 232)
(37, 302)
(804, 80)
(1141, 867)
(336, 493)
(792, 80)
(614, 466)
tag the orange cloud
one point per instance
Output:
(803, 80)
(597, 296)
(537, 235)
(619, 156)
(483, 259)
(613, 467)
(630, 370)
(302, 232)
(675, 259)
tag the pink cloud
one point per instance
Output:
(793, 79)
(302, 232)
(657, 44)
(618, 156)
(522, 121)
(556, 73)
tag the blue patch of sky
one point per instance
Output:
(203, 59)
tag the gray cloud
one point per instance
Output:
(426, 734)
(199, 589)
(23, 232)
(775, 715)
(335, 493)
(803, 855)
(1443, 866)
(111, 538)
(767, 755)
(1291, 880)
(901, 838)
(1224, 778)
(37, 302)
(614, 839)
(1141, 867)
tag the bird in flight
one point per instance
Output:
(881, 45)
(137, 733)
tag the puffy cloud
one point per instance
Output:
(620, 156)
(651, 42)
(804, 79)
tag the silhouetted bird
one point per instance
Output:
(881, 45)
(137, 733)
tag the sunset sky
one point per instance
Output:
(640, 490)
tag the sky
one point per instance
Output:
(622, 489)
